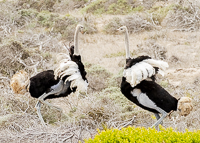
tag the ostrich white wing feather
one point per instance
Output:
(80, 84)
(77, 81)
(135, 71)
(68, 72)
(65, 65)
(157, 63)
(144, 74)
(138, 72)
(73, 77)
(70, 69)
(143, 70)
(64, 61)
(62, 56)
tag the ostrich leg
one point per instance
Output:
(57, 89)
(37, 106)
(164, 114)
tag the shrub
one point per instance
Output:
(46, 18)
(113, 25)
(111, 7)
(143, 135)
(65, 26)
(137, 23)
(96, 7)
(119, 7)
(183, 18)
(159, 13)
(28, 13)
(10, 53)
(134, 22)
(97, 76)
(89, 24)
(39, 5)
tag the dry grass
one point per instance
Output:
(34, 49)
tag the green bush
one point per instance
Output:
(111, 7)
(46, 18)
(119, 7)
(96, 7)
(38, 5)
(112, 26)
(143, 135)
(159, 13)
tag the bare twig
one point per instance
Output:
(69, 137)
(126, 124)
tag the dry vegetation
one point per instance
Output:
(32, 32)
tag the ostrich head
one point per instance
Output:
(80, 28)
(74, 52)
(185, 106)
(122, 29)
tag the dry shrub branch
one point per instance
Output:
(183, 18)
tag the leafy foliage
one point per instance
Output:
(111, 7)
(134, 22)
(184, 18)
(113, 25)
(39, 5)
(159, 13)
(143, 135)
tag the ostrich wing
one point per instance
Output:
(143, 70)
(158, 63)
(70, 70)
(63, 66)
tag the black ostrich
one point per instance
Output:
(68, 77)
(139, 86)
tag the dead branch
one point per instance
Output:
(125, 124)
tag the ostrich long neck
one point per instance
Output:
(76, 52)
(127, 44)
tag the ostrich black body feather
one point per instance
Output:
(155, 93)
(43, 81)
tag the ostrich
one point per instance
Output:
(68, 77)
(139, 86)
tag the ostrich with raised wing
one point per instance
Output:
(139, 86)
(68, 77)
